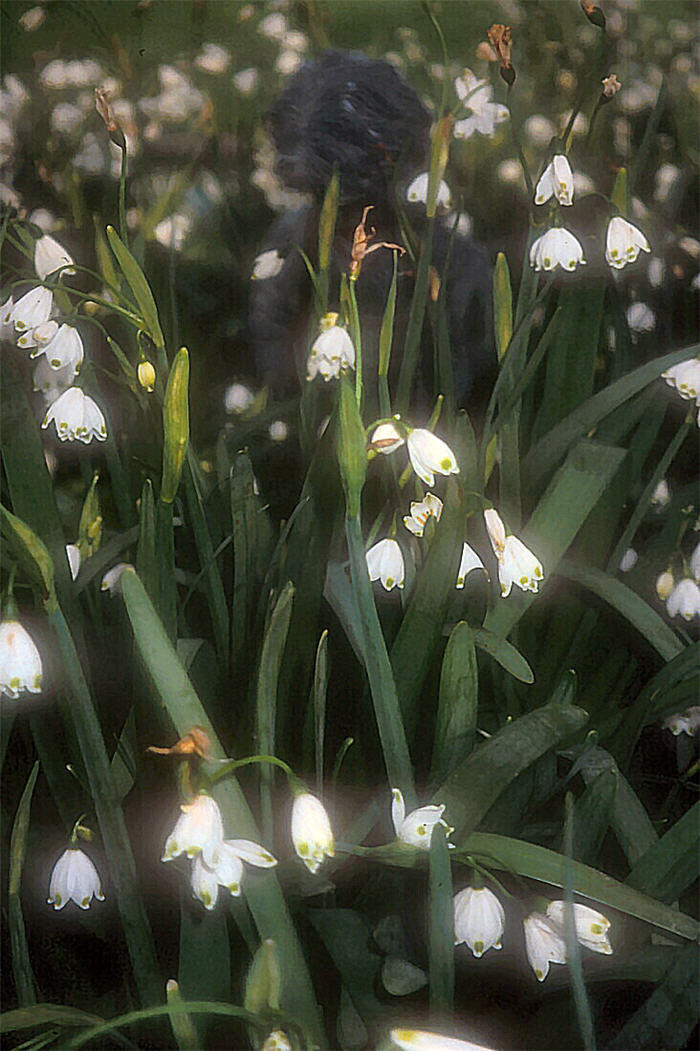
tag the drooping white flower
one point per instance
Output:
(73, 555)
(213, 59)
(629, 560)
(64, 349)
(50, 256)
(20, 661)
(640, 318)
(273, 26)
(479, 919)
(695, 562)
(484, 116)
(416, 828)
(198, 830)
(74, 878)
(277, 1041)
(278, 431)
(558, 247)
(469, 561)
(39, 336)
(665, 584)
(687, 722)
(685, 378)
(516, 563)
(77, 417)
(238, 398)
(623, 243)
(333, 351)
(385, 563)
(227, 869)
(544, 944)
(421, 1040)
(430, 455)
(684, 600)
(267, 264)
(51, 382)
(32, 309)
(417, 192)
(385, 438)
(312, 834)
(421, 510)
(591, 926)
(173, 231)
(556, 180)
(661, 496)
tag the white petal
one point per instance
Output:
(398, 809)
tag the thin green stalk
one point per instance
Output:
(123, 228)
(25, 983)
(357, 339)
(573, 949)
(414, 329)
(515, 133)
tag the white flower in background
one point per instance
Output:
(7, 329)
(74, 878)
(38, 337)
(32, 19)
(640, 318)
(111, 581)
(238, 398)
(485, 115)
(469, 561)
(539, 129)
(50, 256)
(695, 562)
(277, 1041)
(687, 722)
(421, 511)
(544, 944)
(665, 584)
(246, 81)
(558, 247)
(278, 431)
(416, 828)
(20, 662)
(684, 600)
(591, 926)
(227, 871)
(295, 40)
(685, 378)
(417, 192)
(333, 351)
(516, 563)
(556, 180)
(430, 455)
(667, 176)
(273, 26)
(77, 417)
(213, 59)
(198, 830)
(385, 563)
(173, 231)
(288, 62)
(479, 919)
(73, 555)
(421, 1040)
(32, 309)
(628, 560)
(661, 496)
(312, 834)
(385, 438)
(623, 243)
(63, 350)
(267, 264)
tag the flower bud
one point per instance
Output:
(146, 375)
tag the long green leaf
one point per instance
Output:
(441, 941)
(25, 983)
(458, 702)
(205, 549)
(321, 672)
(592, 816)
(139, 286)
(346, 936)
(670, 1015)
(243, 519)
(504, 653)
(266, 697)
(45, 1014)
(671, 864)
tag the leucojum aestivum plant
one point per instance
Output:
(386, 748)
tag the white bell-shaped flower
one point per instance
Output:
(267, 264)
(591, 926)
(32, 309)
(421, 510)
(421, 1040)
(77, 417)
(430, 455)
(198, 830)
(74, 878)
(623, 243)
(479, 919)
(20, 661)
(687, 722)
(484, 116)
(277, 1041)
(73, 555)
(63, 350)
(684, 600)
(38, 337)
(386, 438)
(685, 378)
(662, 496)
(416, 828)
(417, 192)
(385, 563)
(312, 834)
(469, 561)
(557, 247)
(50, 256)
(52, 382)
(665, 584)
(227, 869)
(516, 563)
(556, 180)
(629, 560)
(333, 351)
(544, 944)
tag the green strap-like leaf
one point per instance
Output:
(138, 285)
(668, 1017)
(441, 939)
(505, 653)
(266, 696)
(458, 702)
(25, 983)
(671, 864)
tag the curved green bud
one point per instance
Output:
(176, 425)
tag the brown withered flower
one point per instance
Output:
(593, 13)
(361, 244)
(196, 742)
(611, 86)
(103, 106)
(500, 38)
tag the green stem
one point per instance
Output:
(357, 339)
(123, 228)
(515, 133)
